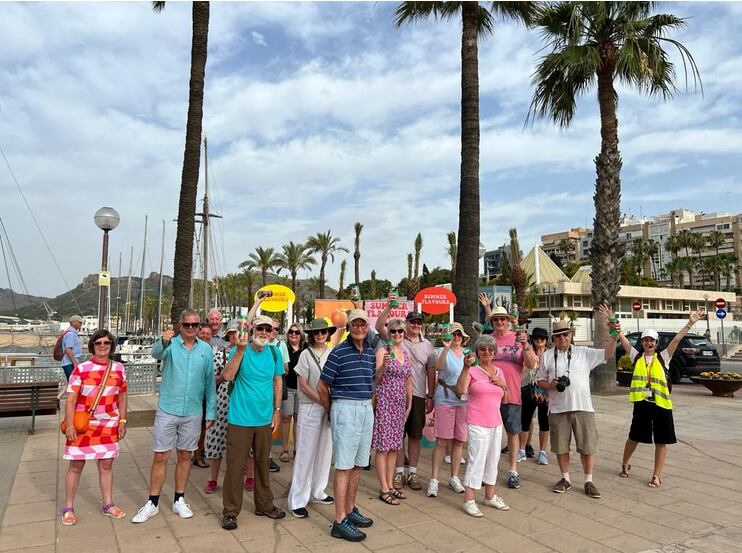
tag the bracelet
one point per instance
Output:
(122, 421)
(277, 410)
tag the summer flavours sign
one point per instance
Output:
(435, 300)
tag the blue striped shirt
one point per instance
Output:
(349, 372)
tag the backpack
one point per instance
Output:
(662, 363)
(57, 351)
(231, 384)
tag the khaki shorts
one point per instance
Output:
(579, 423)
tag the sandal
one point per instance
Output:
(201, 463)
(655, 482)
(111, 510)
(284, 457)
(274, 513)
(624, 471)
(68, 516)
(398, 494)
(388, 498)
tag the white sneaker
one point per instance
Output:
(182, 508)
(463, 461)
(447, 460)
(497, 502)
(470, 508)
(432, 488)
(145, 513)
(455, 484)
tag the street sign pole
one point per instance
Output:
(721, 314)
(723, 340)
(636, 306)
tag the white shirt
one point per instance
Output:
(576, 396)
(308, 368)
(664, 354)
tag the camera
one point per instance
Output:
(562, 382)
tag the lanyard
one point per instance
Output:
(569, 361)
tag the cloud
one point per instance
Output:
(257, 38)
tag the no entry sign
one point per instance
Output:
(720, 303)
(637, 305)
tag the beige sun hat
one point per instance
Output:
(561, 327)
(500, 312)
(459, 327)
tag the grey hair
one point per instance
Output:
(485, 340)
(214, 310)
(396, 323)
(188, 312)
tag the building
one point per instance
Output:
(493, 261)
(565, 246)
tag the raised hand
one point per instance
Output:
(469, 360)
(606, 310)
(168, 334)
(485, 299)
(241, 340)
(696, 316)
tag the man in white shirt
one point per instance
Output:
(564, 371)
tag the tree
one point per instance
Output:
(595, 43)
(341, 284)
(294, 258)
(326, 246)
(373, 284)
(248, 279)
(567, 246)
(451, 250)
(652, 249)
(676, 270)
(358, 227)
(415, 288)
(685, 240)
(639, 255)
(728, 262)
(262, 259)
(477, 22)
(409, 274)
(186, 226)
(672, 245)
(517, 275)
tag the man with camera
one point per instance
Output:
(565, 372)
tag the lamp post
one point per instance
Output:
(706, 309)
(107, 219)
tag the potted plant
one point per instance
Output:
(624, 371)
(721, 384)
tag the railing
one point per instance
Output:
(141, 378)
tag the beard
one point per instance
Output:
(260, 341)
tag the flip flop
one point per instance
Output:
(68, 516)
(624, 471)
(655, 482)
(111, 510)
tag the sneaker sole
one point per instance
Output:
(346, 538)
(562, 491)
(181, 515)
(299, 516)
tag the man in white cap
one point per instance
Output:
(345, 389)
(565, 372)
(71, 346)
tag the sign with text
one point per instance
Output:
(280, 299)
(720, 303)
(435, 300)
(375, 307)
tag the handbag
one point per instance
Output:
(81, 419)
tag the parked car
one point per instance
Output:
(693, 355)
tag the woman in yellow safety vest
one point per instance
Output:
(650, 393)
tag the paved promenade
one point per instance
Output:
(697, 509)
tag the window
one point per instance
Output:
(578, 301)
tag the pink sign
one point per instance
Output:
(375, 307)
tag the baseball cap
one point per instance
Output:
(651, 333)
(357, 314)
(75, 319)
(414, 316)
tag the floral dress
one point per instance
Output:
(216, 436)
(391, 402)
(100, 440)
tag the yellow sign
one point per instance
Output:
(104, 278)
(280, 299)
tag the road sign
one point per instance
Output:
(721, 313)
(637, 305)
(721, 303)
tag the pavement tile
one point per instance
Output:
(27, 535)
(22, 513)
(505, 540)
(37, 466)
(566, 541)
(86, 538)
(278, 543)
(214, 542)
(627, 543)
(32, 494)
(441, 537)
(147, 539)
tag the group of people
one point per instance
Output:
(231, 389)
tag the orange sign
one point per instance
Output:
(435, 300)
(325, 308)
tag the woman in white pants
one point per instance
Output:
(314, 438)
(486, 389)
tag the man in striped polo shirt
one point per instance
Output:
(346, 380)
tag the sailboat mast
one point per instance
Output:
(128, 292)
(205, 234)
(140, 314)
(158, 312)
(118, 297)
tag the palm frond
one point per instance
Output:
(412, 12)
(157, 7)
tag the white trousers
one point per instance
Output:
(313, 456)
(484, 454)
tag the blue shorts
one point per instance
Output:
(352, 424)
(510, 413)
(68, 371)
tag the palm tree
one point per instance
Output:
(567, 246)
(675, 268)
(652, 249)
(640, 256)
(477, 21)
(373, 284)
(728, 261)
(248, 280)
(416, 277)
(517, 275)
(294, 258)
(341, 284)
(672, 245)
(595, 43)
(262, 259)
(409, 277)
(698, 245)
(326, 246)
(716, 240)
(358, 227)
(451, 251)
(183, 264)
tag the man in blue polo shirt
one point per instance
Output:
(347, 380)
(187, 377)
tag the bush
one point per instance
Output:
(625, 364)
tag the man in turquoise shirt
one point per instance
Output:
(254, 405)
(187, 378)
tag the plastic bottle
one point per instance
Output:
(241, 324)
(393, 301)
(468, 351)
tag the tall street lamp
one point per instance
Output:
(706, 309)
(107, 219)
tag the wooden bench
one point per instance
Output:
(33, 398)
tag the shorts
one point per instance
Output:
(290, 406)
(352, 424)
(172, 430)
(579, 423)
(510, 413)
(68, 371)
(649, 420)
(450, 422)
(416, 421)
(529, 407)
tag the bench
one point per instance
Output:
(31, 398)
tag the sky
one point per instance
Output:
(319, 115)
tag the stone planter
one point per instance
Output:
(720, 387)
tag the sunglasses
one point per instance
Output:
(189, 325)
(263, 328)
(102, 343)
(487, 348)
(397, 331)
(359, 325)
(458, 333)
(539, 338)
(276, 329)
(320, 331)
(417, 322)
(294, 332)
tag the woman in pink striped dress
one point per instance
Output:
(107, 424)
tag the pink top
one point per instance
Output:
(483, 407)
(509, 358)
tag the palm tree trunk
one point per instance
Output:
(322, 278)
(183, 265)
(605, 252)
(466, 284)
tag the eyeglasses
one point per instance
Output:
(539, 338)
(320, 331)
(397, 331)
(294, 332)
(276, 329)
(189, 325)
(458, 333)
(417, 322)
(487, 348)
(102, 343)
(263, 328)
(362, 324)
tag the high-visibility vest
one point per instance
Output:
(656, 378)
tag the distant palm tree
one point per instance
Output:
(676, 269)
(373, 284)
(567, 246)
(672, 245)
(518, 276)
(652, 249)
(262, 259)
(451, 250)
(358, 227)
(294, 258)
(476, 22)
(248, 281)
(593, 44)
(326, 246)
(341, 284)
(716, 240)
(698, 245)
(409, 277)
(183, 258)
(416, 277)
(728, 262)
